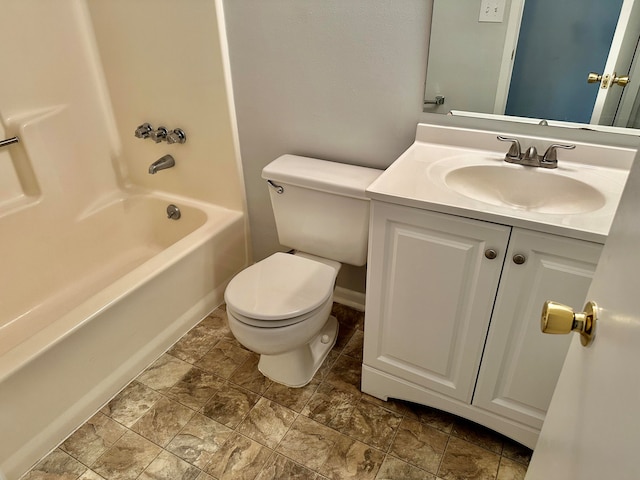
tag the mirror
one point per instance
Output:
(531, 59)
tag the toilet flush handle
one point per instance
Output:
(278, 188)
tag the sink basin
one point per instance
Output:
(525, 188)
(460, 171)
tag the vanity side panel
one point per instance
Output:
(429, 297)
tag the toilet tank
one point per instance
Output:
(322, 209)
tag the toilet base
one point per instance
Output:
(297, 368)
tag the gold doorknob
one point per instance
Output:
(622, 81)
(560, 319)
(593, 77)
(607, 80)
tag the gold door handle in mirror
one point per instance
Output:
(593, 77)
(607, 80)
(560, 319)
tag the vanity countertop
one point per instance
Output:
(462, 172)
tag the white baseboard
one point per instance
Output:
(350, 298)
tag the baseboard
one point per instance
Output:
(350, 298)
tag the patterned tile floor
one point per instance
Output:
(202, 411)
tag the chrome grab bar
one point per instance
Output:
(9, 141)
(438, 101)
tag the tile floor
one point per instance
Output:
(202, 411)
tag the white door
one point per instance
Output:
(621, 54)
(592, 428)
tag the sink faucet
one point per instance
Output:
(530, 157)
(164, 162)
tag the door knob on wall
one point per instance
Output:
(560, 319)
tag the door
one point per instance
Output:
(592, 428)
(559, 43)
(613, 104)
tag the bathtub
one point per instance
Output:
(87, 303)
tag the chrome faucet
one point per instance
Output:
(164, 162)
(530, 157)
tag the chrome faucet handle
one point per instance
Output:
(144, 130)
(531, 154)
(514, 150)
(158, 135)
(177, 136)
(550, 154)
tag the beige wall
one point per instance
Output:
(163, 64)
(51, 97)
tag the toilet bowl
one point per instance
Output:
(280, 308)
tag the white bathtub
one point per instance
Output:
(87, 304)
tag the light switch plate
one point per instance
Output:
(492, 11)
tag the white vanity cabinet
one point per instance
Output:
(453, 314)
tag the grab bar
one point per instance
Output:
(9, 141)
(438, 101)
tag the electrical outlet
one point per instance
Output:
(491, 11)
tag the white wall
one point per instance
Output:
(333, 79)
(465, 57)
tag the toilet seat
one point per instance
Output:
(280, 290)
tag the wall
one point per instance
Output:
(51, 96)
(333, 79)
(163, 65)
(464, 57)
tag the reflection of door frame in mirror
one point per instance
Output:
(508, 55)
(614, 105)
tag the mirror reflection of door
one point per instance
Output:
(471, 62)
(559, 44)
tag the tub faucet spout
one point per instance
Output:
(165, 162)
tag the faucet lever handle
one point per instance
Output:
(158, 135)
(514, 150)
(550, 154)
(143, 131)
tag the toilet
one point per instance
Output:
(280, 307)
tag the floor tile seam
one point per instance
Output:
(195, 361)
(447, 446)
(395, 434)
(50, 453)
(335, 445)
(205, 468)
(395, 457)
(514, 460)
(200, 470)
(452, 434)
(281, 438)
(193, 414)
(385, 450)
(437, 472)
(89, 465)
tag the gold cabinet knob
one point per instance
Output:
(557, 318)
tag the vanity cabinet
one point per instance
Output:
(453, 314)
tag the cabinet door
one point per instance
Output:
(521, 365)
(429, 296)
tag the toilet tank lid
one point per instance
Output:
(323, 175)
